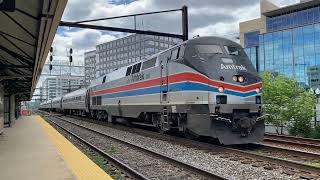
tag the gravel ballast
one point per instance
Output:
(210, 161)
(151, 167)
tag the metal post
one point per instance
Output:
(135, 22)
(185, 23)
(257, 56)
(70, 79)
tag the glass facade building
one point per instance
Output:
(291, 46)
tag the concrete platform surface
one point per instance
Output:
(32, 149)
(26, 152)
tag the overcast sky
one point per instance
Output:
(206, 17)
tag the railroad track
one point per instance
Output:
(294, 165)
(201, 174)
(298, 156)
(290, 142)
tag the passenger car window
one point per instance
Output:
(150, 63)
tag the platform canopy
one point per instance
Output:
(27, 29)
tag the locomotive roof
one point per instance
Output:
(203, 40)
(56, 99)
(79, 92)
(212, 40)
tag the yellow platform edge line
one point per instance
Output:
(81, 166)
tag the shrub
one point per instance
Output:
(301, 129)
(316, 132)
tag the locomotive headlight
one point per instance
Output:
(240, 79)
(235, 78)
(221, 89)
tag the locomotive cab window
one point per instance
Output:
(104, 79)
(208, 49)
(232, 50)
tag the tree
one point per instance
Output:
(285, 101)
(301, 112)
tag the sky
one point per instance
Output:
(206, 17)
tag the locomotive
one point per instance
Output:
(205, 86)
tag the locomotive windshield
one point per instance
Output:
(220, 59)
(231, 50)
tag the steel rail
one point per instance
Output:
(286, 163)
(291, 140)
(160, 155)
(291, 151)
(115, 161)
(274, 160)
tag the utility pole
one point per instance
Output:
(185, 23)
(70, 60)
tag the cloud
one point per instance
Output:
(285, 2)
(206, 17)
(85, 38)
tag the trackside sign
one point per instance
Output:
(7, 5)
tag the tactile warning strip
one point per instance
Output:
(81, 166)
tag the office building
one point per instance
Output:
(285, 40)
(57, 86)
(90, 66)
(121, 52)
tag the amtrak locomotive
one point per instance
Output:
(205, 86)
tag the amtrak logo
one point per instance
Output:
(233, 67)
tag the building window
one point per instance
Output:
(251, 39)
(293, 19)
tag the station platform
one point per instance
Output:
(32, 149)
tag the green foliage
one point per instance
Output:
(287, 103)
(316, 132)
